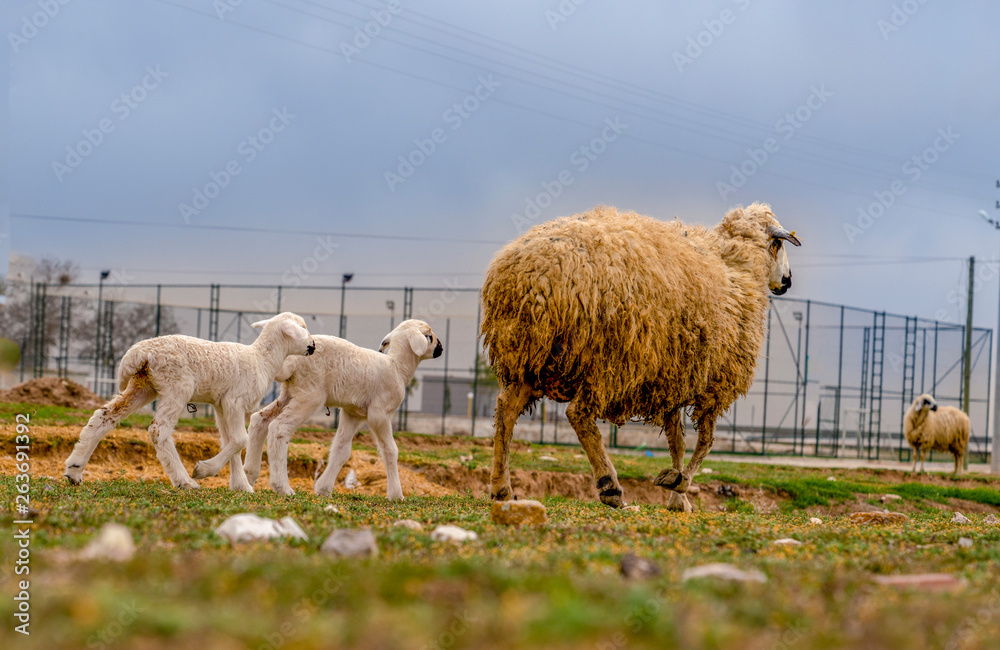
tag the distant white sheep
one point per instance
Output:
(928, 427)
(365, 384)
(179, 369)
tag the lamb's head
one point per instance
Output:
(292, 328)
(757, 223)
(924, 403)
(417, 336)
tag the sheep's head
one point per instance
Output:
(418, 337)
(757, 224)
(293, 328)
(924, 403)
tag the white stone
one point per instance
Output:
(831, 478)
(815, 520)
(723, 572)
(448, 533)
(787, 541)
(331, 509)
(411, 524)
(959, 518)
(548, 458)
(992, 520)
(114, 543)
(707, 470)
(964, 542)
(346, 542)
(248, 527)
(351, 480)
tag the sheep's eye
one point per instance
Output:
(429, 337)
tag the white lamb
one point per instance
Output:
(365, 384)
(179, 369)
(928, 427)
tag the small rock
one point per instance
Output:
(707, 470)
(632, 508)
(577, 456)
(409, 523)
(351, 480)
(889, 497)
(815, 520)
(787, 541)
(831, 478)
(346, 542)
(922, 581)
(992, 520)
(247, 527)
(331, 509)
(371, 461)
(515, 513)
(877, 518)
(964, 542)
(634, 567)
(723, 572)
(693, 489)
(548, 458)
(455, 534)
(465, 458)
(726, 491)
(114, 544)
(959, 518)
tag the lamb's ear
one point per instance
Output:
(418, 342)
(291, 329)
(261, 323)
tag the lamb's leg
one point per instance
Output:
(381, 428)
(340, 451)
(673, 428)
(233, 434)
(280, 432)
(916, 456)
(680, 480)
(259, 423)
(921, 461)
(137, 394)
(161, 434)
(586, 429)
(511, 402)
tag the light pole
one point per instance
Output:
(995, 461)
(97, 342)
(391, 306)
(343, 290)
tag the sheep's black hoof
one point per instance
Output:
(671, 479)
(610, 494)
(500, 495)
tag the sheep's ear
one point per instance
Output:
(780, 233)
(261, 323)
(418, 343)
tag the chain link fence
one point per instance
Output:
(833, 381)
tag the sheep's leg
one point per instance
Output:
(233, 435)
(259, 423)
(340, 452)
(916, 456)
(511, 402)
(958, 462)
(673, 428)
(605, 475)
(161, 434)
(381, 427)
(921, 461)
(280, 432)
(680, 480)
(136, 395)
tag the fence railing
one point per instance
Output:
(832, 380)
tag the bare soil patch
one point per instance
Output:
(52, 391)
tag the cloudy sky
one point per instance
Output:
(237, 141)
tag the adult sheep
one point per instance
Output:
(928, 427)
(624, 316)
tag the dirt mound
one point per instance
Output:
(52, 391)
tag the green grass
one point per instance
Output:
(556, 586)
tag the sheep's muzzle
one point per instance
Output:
(438, 349)
(310, 348)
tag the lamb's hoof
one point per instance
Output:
(74, 474)
(322, 490)
(671, 479)
(679, 502)
(188, 485)
(395, 497)
(242, 488)
(284, 490)
(200, 470)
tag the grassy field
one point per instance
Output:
(556, 586)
